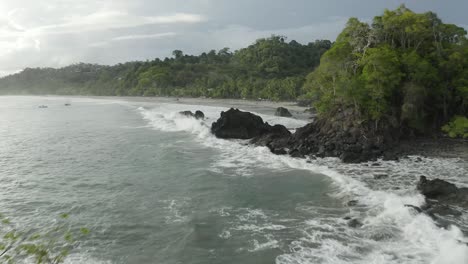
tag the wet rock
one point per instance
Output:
(238, 124)
(347, 218)
(352, 203)
(276, 138)
(340, 135)
(437, 189)
(443, 210)
(198, 114)
(284, 112)
(354, 223)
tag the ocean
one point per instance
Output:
(153, 186)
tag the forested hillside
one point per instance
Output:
(271, 68)
(405, 69)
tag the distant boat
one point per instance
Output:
(43, 106)
(67, 104)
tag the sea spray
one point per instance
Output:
(391, 232)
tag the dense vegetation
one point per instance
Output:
(407, 69)
(271, 68)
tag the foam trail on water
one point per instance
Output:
(391, 232)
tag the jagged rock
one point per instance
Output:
(442, 209)
(340, 136)
(281, 111)
(443, 195)
(198, 114)
(238, 124)
(276, 139)
(436, 189)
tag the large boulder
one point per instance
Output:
(238, 124)
(435, 189)
(443, 191)
(284, 112)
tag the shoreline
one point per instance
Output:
(263, 107)
(442, 147)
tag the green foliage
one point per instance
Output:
(404, 66)
(458, 127)
(271, 68)
(47, 246)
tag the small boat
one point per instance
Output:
(43, 106)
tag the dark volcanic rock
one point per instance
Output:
(241, 125)
(281, 111)
(444, 192)
(341, 135)
(276, 138)
(435, 189)
(198, 114)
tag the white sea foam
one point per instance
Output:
(391, 232)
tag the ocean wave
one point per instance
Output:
(390, 232)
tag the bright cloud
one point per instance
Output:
(55, 33)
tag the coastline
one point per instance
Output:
(260, 106)
(442, 147)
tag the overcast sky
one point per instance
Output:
(55, 33)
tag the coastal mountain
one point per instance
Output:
(271, 68)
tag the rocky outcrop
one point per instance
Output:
(198, 114)
(443, 191)
(443, 199)
(238, 124)
(343, 136)
(284, 112)
(276, 139)
(340, 136)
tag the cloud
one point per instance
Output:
(102, 20)
(133, 37)
(56, 33)
(150, 36)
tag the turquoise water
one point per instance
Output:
(156, 187)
